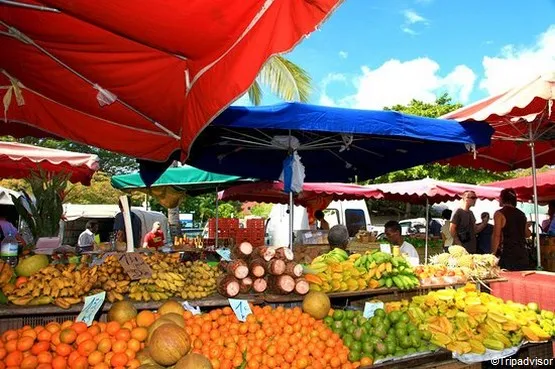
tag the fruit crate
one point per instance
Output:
(255, 223)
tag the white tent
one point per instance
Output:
(5, 198)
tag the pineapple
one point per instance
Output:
(440, 259)
(457, 251)
(465, 261)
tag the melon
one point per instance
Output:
(174, 318)
(316, 304)
(157, 324)
(29, 266)
(168, 344)
(171, 306)
(193, 361)
(151, 366)
(122, 311)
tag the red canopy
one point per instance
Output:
(519, 116)
(314, 195)
(524, 186)
(140, 79)
(433, 190)
(19, 160)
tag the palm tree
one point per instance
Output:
(286, 80)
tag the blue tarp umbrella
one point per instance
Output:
(333, 144)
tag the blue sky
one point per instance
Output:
(375, 53)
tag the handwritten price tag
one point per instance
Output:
(385, 247)
(224, 253)
(134, 265)
(370, 307)
(92, 304)
(241, 309)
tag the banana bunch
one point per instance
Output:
(112, 279)
(389, 271)
(63, 285)
(171, 278)
(336, 255)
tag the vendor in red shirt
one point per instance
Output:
(155, 238)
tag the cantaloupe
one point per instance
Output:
(193, 361)
(168, 344)
(171, 306)
(122, 311)
(316, 304)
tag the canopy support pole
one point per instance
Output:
(217, 216)
(535, 188)
(427, 229)
(291, 209)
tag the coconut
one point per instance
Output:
(168, 344)
(193, 361)
(122, 311)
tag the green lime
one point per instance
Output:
(405, 342)
(400, 352)
(380, 332)
(379, 313)
(358, 333)
(380, 348)
(351, 329)
(375, 340)
(411, 350)
(367, 347)
(366, 338)
(401, 324)
(356, 346)
(400, 332)
(368, 326)
(354, 356)
(394, 316)
(391, 347)
(349, 315)
(347, 340)
(375, 321)
(387, 323)
(411, 328)
(404, 318)
(328, 321)
(338, 325)
(426, 335)
(415, 334)
(362, 321)
(338, 315)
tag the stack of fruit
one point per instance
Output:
(473, 265)
(62, 284)
(465, 320)
(112, 279)
(170, 277)
(385, 335)
(336, 271)
(261, 270)
(430, 275)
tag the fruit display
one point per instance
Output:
(467, 321)
(430, 275)
(261, 270)
(63, 285)
(74, 345)
(172, 278)
(473, 265)
(383, 336)
(112, 279)
(336, 271)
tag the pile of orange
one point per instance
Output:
(73, 345)
(270, 338)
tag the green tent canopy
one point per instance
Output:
(176, 182)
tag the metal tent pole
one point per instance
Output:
(427, 229)
(217, 216)
(535, 186)
(291, 209)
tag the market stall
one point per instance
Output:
(429, 191)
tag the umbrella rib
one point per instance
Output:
(260, 140)
(26, 39)
(79, 111)
(537, 155)
(255, 144)
(29, 6)
(368, 151)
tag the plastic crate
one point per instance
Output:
(255, 224)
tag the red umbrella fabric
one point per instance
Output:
(314, 196)
(524, 186)
(19, 160)
(519, 116)
(141, 80)
(435, 191)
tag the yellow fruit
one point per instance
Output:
(316, 304)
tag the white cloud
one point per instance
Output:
(412, 17)
(397, 82)
(410, 31)
(343, 54)
(515, 65)
(330, 78)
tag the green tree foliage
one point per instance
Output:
(261, 210)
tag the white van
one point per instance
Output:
(353, 214)
(76, 217)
